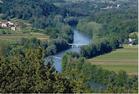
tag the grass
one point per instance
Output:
(125, 59)
(8, 39)
(14, 37)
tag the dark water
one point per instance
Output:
(79, 39)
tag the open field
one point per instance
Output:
(14, 37)
(125, 59)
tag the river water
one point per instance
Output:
(79, 40)
(82, 39)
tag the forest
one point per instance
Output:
(23, 68)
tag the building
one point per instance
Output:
(8, 25)
(3, 24)
(131, 41)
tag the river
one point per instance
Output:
(79, 40)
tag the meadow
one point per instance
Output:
(15, 37)
(125, 59)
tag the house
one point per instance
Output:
(8, 25)
(131, 41)
(11, 25)
(118, 5)
(13, 28)
(108, 7)
(3, 24)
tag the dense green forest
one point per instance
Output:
(87, 75)
(24, 71)
(44, 18)
(40, 14)
(24, 62)
(22, 65)
(110, 27)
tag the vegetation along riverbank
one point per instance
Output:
(33, 31)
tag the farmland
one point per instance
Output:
(68, 46)
(14, 37)
(125, 59)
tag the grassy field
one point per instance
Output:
(125, 59)
(9, 39)
(14, 37)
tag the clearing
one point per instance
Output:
(15, 37)
(125, 59)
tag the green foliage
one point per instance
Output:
(80, 71)
(99, 47)
(6, 31)
(121, 22)
(73, 21)
(72, 71)
(40, 14)
(29, 8)
(24, 71)
(92, 29)
(50, 50)
(109, 31)
(33, 42)
(22, 67)
(134, 36)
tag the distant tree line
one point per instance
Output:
(102, 47)
(102, 41)
(122, 22)
(109, 30)
(55, 46)
(41, 14)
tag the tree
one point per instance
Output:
(24, 71)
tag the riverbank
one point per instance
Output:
(78, 39)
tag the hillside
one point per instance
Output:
(29, 9)
(37, 12)
(68, 46)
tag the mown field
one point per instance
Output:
(15, 37)
(125, 59)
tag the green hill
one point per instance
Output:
(26, 9)
(37, 12)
